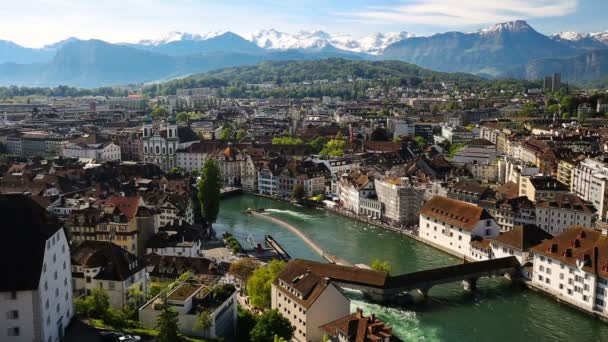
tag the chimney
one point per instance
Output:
(359, 312)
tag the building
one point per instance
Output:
(518, 242)
(541, 188)
(124, 221)
(358, 328)
(307, 300)
(590, 182)
(573, 266)
(36, 292)
(105, 265)
(564, 210)
(400, 200)
(177, 240)
(160, 145)
(354, 187)
(452, 225)
(91, 147)
(191, 297)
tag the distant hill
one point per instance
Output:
(330, 69)
(490, 51)
(95, 63)
(589, 66)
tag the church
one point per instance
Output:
(160, 144)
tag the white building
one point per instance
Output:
(36, 300)
(160, 145)
(518, 242)
(452, 225)
(565, 210)
(90, 147)
(105, 265)
(572, 266)
(190, 298)
(307, 300)
(354, 187)
(590, 182)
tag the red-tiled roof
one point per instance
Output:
(126, 205)
(457, 213)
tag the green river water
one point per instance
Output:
(496, 311)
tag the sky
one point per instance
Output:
(34, 23)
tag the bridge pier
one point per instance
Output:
(470, 284)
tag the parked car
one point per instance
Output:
(110, 336)
(129, 338)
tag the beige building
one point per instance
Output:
(308, 301)
(400, 200)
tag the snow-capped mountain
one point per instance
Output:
(372, 44)
(511, 26)
(601, 37)
(176, 36)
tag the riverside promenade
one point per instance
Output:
(313, 245)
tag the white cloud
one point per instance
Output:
(457, 13)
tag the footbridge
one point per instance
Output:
(380, 286)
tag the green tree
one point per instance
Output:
(226, 133)
(246, 320)
(454, 148)
(242, 133)
(286, 141)
(95, 305)
(167, 324)
(279, 339)
(382, 266)
(270, 324)
(317, 144)
(568, 104)
(420, 141)
(298, 191)
(203, 321)
(334, 148)
(259, 283)
(209, 191)
(135, 297)
(182, 117)
(158, 112)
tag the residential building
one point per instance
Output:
(359, 328)
(105, 265)
(572, 267)
(452, 225)
(518, 242)
(541, 188)
(92, 147)
(192, 297)
(307, 300)
(177, 240)
(36, 298)
(563, 211)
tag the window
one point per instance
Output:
(599, 302)
(14, 331)
(14, 314)
(13, 295)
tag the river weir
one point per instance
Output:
(496, 311)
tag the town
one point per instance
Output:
(111, 204)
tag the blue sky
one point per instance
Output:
(38, 22)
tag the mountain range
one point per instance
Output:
(512, 49)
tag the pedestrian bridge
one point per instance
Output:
(380, 286)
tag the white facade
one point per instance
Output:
(98, 152)
(329, 306)
(557, 220)
(43, 314)
(158, 149)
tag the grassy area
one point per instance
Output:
(98, 323)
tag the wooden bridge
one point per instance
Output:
(379, 286)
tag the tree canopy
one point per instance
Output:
(381, 265)
(209, 191)
(334, 148)
(259, 283)
(270, 324)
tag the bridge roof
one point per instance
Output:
(438, 274)
(345, 274)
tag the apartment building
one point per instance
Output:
(565, 210)
(36, 299)
(307, 300)
(105, 265)
(573, 266)
(452, 225)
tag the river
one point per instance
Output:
(496, 311)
